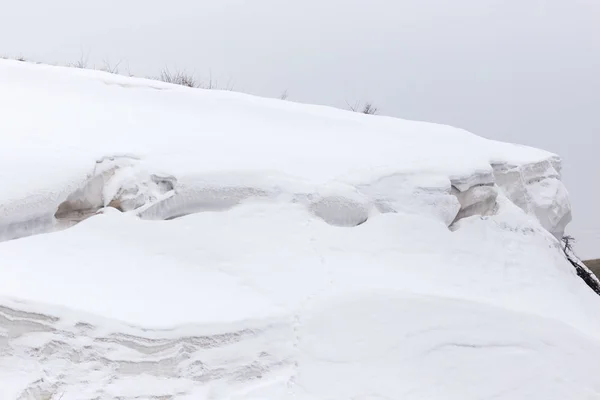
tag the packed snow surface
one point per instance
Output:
(161, 242)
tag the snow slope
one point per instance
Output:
(175, 243)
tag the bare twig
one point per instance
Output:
(369, 109)
(82, 62)
(178, 78)
(354, 107)
(108, 68)
(568, 241)
(582, 271)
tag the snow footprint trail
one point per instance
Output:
(306, 304)
(44, 357)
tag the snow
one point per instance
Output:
(187, 133)
(268, 249)
(484, 353)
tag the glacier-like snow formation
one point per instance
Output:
(162, 242)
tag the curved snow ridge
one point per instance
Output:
(125, 183)
(57, 358)
(536, 188)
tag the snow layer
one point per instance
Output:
(62, 128)
(267, 249)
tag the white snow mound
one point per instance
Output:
(178, 243)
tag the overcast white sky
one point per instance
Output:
(516, 70)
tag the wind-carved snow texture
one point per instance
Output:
(477, 200)
(78, 360)
(536, 188)
(271, 250)
(147, 165)
(441, 355)
(115, 182)
(120, 183)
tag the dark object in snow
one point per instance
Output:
(582, 271)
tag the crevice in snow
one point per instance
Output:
(189, 200)
(82, 203)
(116, 182)
(479, 199)
(121, 182)
(412, 193)
(337, 210)
(33, 226)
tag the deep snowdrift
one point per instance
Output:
(221, 245)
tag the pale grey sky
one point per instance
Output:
(516, 70)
